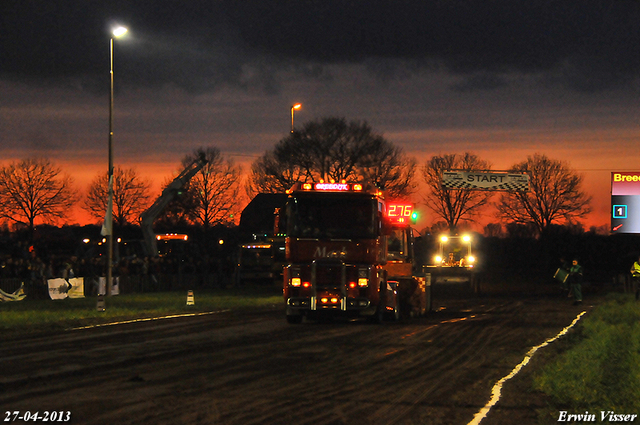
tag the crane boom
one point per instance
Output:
(168, 194)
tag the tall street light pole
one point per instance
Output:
(293, 108)
(117, 32)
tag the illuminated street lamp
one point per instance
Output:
(293, 108)
(108, 228)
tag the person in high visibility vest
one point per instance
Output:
(635, 275)
(575, 281)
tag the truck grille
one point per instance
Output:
(329, 276)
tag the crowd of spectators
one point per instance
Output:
(24, 265)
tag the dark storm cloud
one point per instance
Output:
(198, 45)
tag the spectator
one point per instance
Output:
(575, 281)
(635, 276)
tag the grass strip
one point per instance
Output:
(601, 369)
(35, 316)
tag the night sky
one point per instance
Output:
(502, 79)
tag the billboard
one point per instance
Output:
(625, 202)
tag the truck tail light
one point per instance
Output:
(306, 284)
(363, 281)
(352, 285)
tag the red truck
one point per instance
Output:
(336, 250)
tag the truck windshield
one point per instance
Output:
(397, 245)
(329, 216)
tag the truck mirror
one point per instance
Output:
(386, 225)
(276, 221)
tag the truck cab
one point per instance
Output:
(455, 251)
(336, 249)
(454, 262)
(404, 271)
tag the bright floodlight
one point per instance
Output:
(297, 106)
(466, 238)
(443, 238)
(119, 31)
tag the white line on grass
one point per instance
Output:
(497, 388)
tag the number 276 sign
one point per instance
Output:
(400, 213)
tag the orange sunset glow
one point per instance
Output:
(222, 77)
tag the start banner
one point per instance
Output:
(485, 180)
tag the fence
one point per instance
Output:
(129, 284)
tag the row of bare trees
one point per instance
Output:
(35, 189)
(211, 197)
(555, 192)
(333, 149)
(328, 149)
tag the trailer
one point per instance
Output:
(261, 252)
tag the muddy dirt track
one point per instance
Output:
(225, 368)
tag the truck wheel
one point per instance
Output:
(294, 319)
(381, 309)
(378, 317)
(476, 285)
(395, 314)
